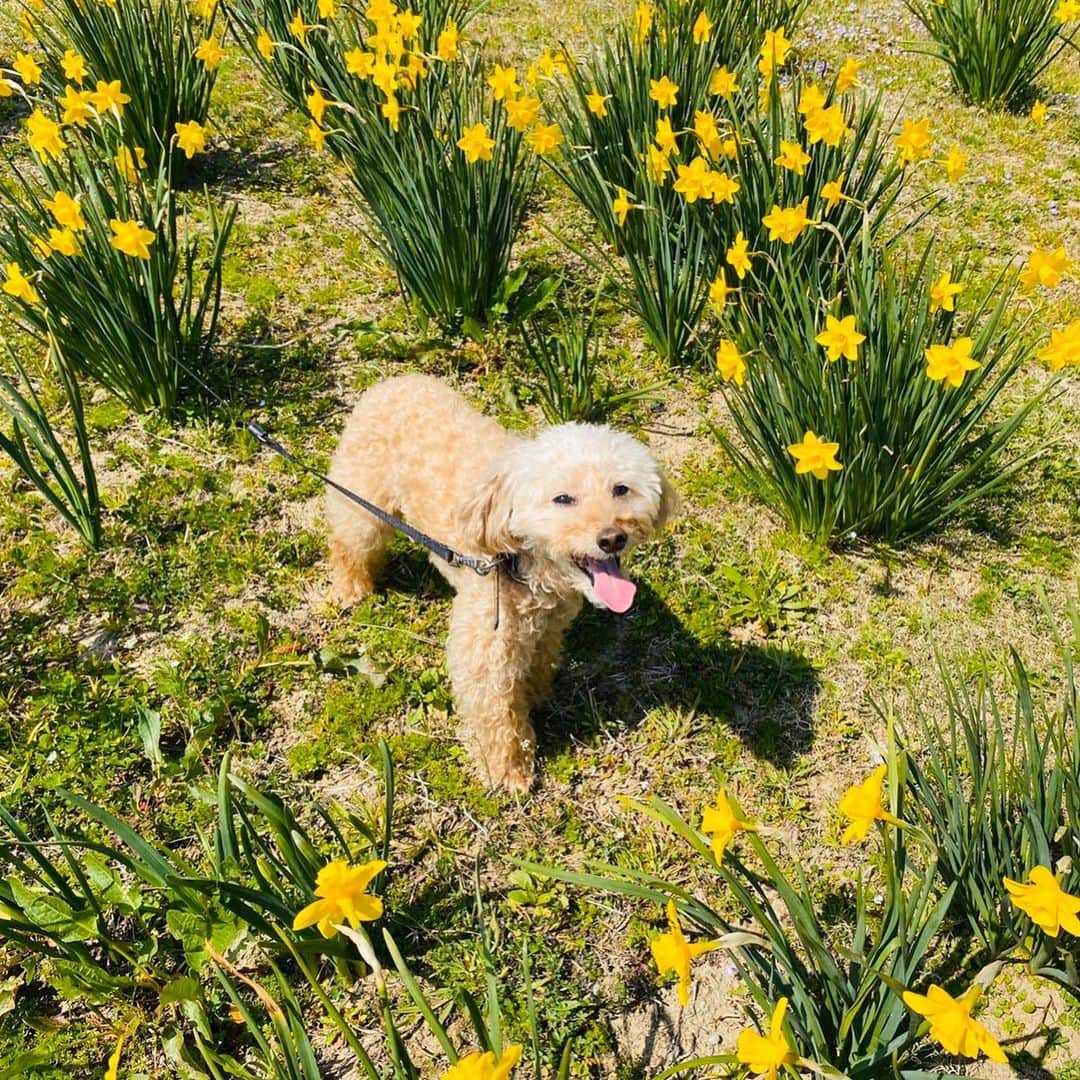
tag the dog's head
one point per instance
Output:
(575, 499)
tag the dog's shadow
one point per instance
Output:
(616, 671)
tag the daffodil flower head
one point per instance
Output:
(342, 897)
(721, 820)
(862, 803)
(672, 952)
(1044, 901)
(485, 1066)
(765, 1055)
(951, 1023)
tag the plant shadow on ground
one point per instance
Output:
(614, 671)
(257, 168)
(763, 693)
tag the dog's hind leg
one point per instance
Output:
(489, 673)
(358, 543)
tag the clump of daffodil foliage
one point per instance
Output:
(866, 401)
(100, 265)
(443, 161)
(161, 57)
(997, 50)
(278, 900)
(974, 824)
(689, 145)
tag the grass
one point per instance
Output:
(208, 603)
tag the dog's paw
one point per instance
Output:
(516, 778)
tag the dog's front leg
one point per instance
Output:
(489, 673)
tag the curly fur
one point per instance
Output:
(419, 450)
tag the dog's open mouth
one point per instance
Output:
(612, 589)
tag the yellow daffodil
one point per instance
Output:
(131, 238)
(723, 83)
(44, 136)
(265, 44)
(951, 1023)
(787, 225)
(204, 9)
(74, 66)
(718, 291)
(1045, 268)
(955, 164)
(109, 97)
(485, 1066)
(664, 92)
(737, 257)
(475, 144)
(210, 53)
(317, 137)
(723, 188)
(840, 338)
(815, 456)
(316, 104)
(127, 163)
(665, 136)
(1067, 11)
(327, 9)
(708, 133)
(793, 157)
(765, 1055)
(1044, 901)
(862, 804)
(446, 47)
(391, 111)
(950, 362)
(643, 20)
(6, 89)
(297, 27)
(621, 206)
(549, 64)
(943, 293)
(848, 75)
(720, 820)
(545, 138)
(657, 165)
(1063, 349)
(17, 284)
(360, 63)
(827, 126)
(503, 82)
(811, 100)
(914, 141)
(63, 242)
(521, 112)
(833, 193)
(28, 69)
(1038, 113)
(342, 897)
(694, 181)
(672, 952)
(774, 51)
(76, 105)
(66, 210)
(191, 138)
(597, 103)
(703, 28)
(732, 368)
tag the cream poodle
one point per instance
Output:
(567, 503)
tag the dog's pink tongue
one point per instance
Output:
(610, 586)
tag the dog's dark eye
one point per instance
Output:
(564, 500)
(619, 490)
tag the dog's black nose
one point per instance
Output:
(611, 540)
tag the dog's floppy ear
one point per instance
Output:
(670, 503)
(485, 516)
